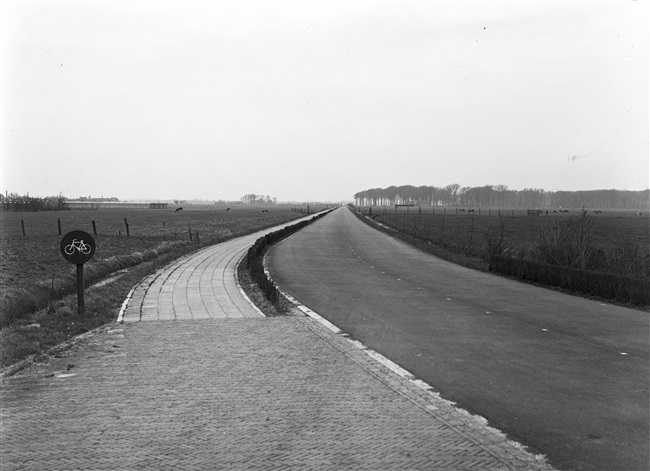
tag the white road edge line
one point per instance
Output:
(392, 366)
(538, 459)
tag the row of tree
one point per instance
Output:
(252, 198)
(501, 196)
(16, 202)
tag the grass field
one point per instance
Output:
(38, 304)
(468, 234)
(35, 258)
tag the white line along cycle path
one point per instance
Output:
(200, 285)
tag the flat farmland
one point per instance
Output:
(38, 307)
(609, 228)
(30, 262)
(462, 232)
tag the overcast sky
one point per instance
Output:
(311, 101)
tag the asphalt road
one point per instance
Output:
(566, 376)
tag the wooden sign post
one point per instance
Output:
(78, 247)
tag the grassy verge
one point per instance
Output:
(255, 256)
(481, 264)
(38, 329)
(33, 274)
(280, 308)
(36, 332)
(19, 304)
(253, 279)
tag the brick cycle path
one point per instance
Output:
(200, 286)
(193, 387)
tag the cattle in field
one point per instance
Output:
(265, 210)
(470, 211)
(178, 209)
(638, 213)
(227, 209)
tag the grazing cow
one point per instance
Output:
(638, 213)
(227, 209)
(463, 209)
(178, 209)
(470, 210)
(265, 210)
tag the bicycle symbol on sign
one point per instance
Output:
(77, 244)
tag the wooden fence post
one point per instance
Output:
(58, 223)
(127, 227)
(94, 228)
(22, 223)
(190, 231)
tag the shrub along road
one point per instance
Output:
(564, 375)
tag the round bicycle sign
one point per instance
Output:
(77, 247)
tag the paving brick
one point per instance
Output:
(233, 391)
(261, 393)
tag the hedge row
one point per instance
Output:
(255, 256)
(606, 285)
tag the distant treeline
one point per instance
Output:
(501, 196)
(16, 202)
(252, 198)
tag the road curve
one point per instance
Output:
(247, 393)
(564, 375)
(200, 285)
